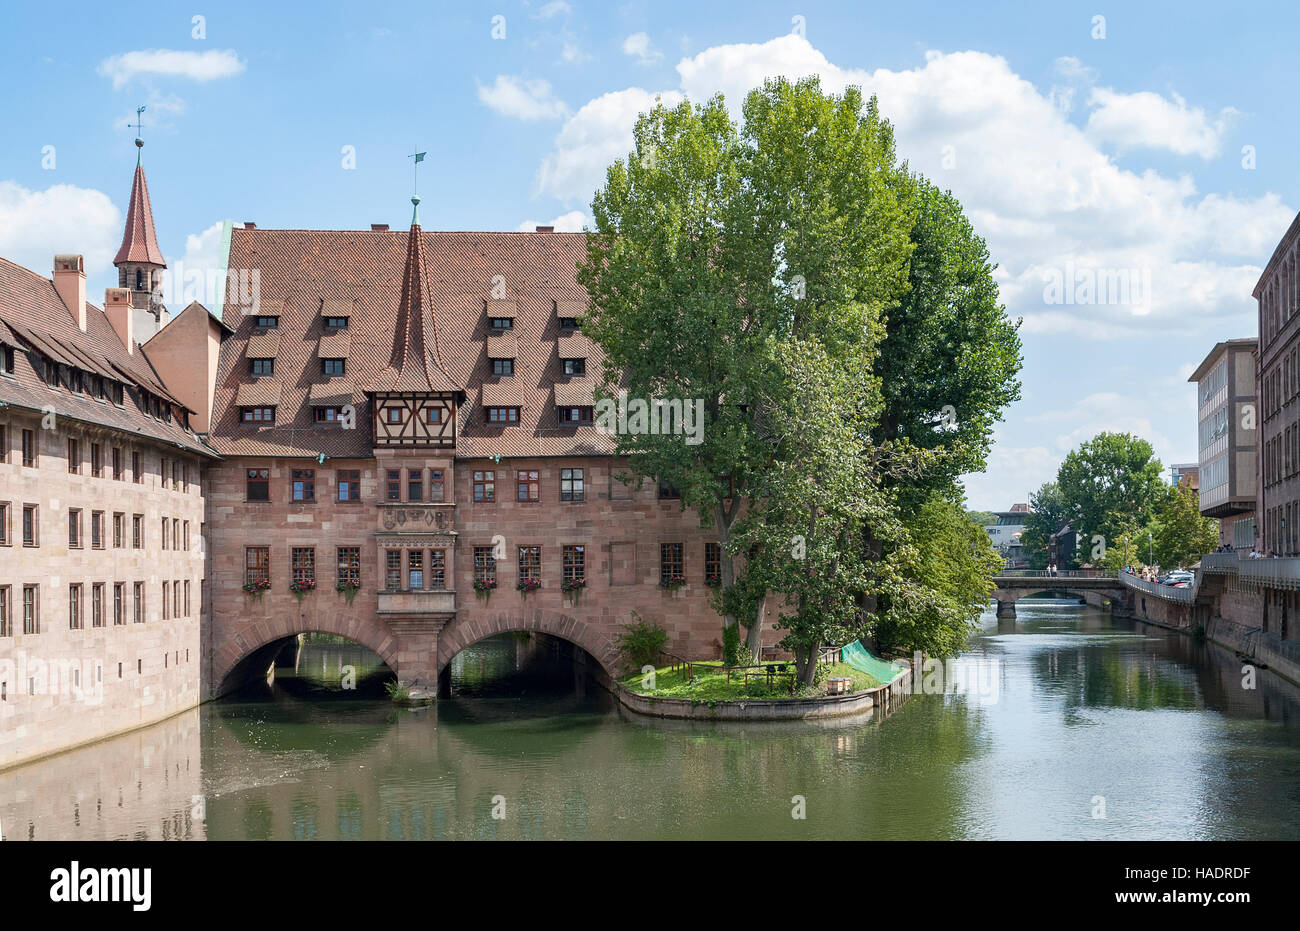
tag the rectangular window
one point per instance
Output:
(97, 605)
(671, 568)
(712, 563)
(261, 368)
(394, 485)
(415, 569)
(31, 610)
(137, 531)
(4, 438)
(394, 415)
(438, 569)
(328, 414)
(503, 366)
(501, 323)
(257, 564)
(304, 485)
(4, 523)
(392, 570)
(257, 414)
(74, 607)
(415, 485)
(527, 486)
(74, 457)
(530, 563)
(96, 461)
(667, 491)
(567, 323)
(31, 526)
(266, 322)
(187, 597)
(137, 476)
(336, 323)
(485, 485)
(6, 626)
(257, 485)
(176, 598)
(575, 366)
(176, 533)
(333, 367)
(166, 600)
(485, 564)
(349, 565)
(29, 448)
(137, 615)
(97, 530)
(117, 463)
(433, 415)
(185, 528)
(74, 528)
(503, 415)
(575, 563)
(572, 486)
(165, 535)
(437, 485)
(576, 414)
(303, 563)
(119, 604)
(119, 528)
(349, 484)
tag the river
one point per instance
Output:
(1061, 724)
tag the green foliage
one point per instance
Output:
(1111, 485)
(940, 580)
(731, 645)
(1049, 512)
(1180, 533)
(982, 518)
(396, 692)
(641, 642)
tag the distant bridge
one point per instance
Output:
(1095, 586)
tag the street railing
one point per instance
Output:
(1222, 562)
(1277, 572)
(1058, 574)
(1164, 592)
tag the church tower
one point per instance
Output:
(139, 261)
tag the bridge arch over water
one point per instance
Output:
(1096, 587)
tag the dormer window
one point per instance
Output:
(6, 360)
(502, 415)
(266, 323)
(328, 414)
(501, 324)
(332, 367)
(503, 366)
(261, 368)
(336, 323)
(568, 323)
(257, 414)
(575, 366)
(576, 414)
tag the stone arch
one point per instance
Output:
(463, 631)
(231, 650)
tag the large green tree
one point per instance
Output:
(1049, 512)
(1111, 485)
(1181, 535)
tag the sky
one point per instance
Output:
(1149, 148)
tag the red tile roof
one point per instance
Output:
(374, 274)
(34, 319)
(139, 241)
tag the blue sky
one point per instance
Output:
(1119, 156)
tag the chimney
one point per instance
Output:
(546, 229)
(379, 227)
(250, 225)
(117, 307)
(70, 282)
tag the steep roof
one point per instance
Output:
(372, 277)
(139, 241)
(33, 318)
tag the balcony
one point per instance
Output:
(413, 604)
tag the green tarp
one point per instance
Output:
(860, 659)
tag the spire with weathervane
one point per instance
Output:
(417, 358)
(139, 261)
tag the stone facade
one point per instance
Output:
(74, 672)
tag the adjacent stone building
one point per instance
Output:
(1227, 419)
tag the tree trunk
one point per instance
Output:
(754, 637)
(805, 664)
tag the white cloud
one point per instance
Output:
(571, 222)
(196, 275)
(554, 8)
(1147, 120)
(1012, 473)
(37, 225)
(522, 99)
(639, 46)
(571, 53)
(198, 66)
(590, 140)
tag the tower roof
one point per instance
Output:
(139, 241)
(416, 363)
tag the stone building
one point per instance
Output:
(101, 509)
(1225, 472)
(411, 414)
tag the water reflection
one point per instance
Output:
(1088, 714)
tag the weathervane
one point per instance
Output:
(139, 137)
(415, 187)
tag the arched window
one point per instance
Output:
(139, 279)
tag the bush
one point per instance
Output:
(641, 642)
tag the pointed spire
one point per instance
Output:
(139, 241)
(417, 356)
